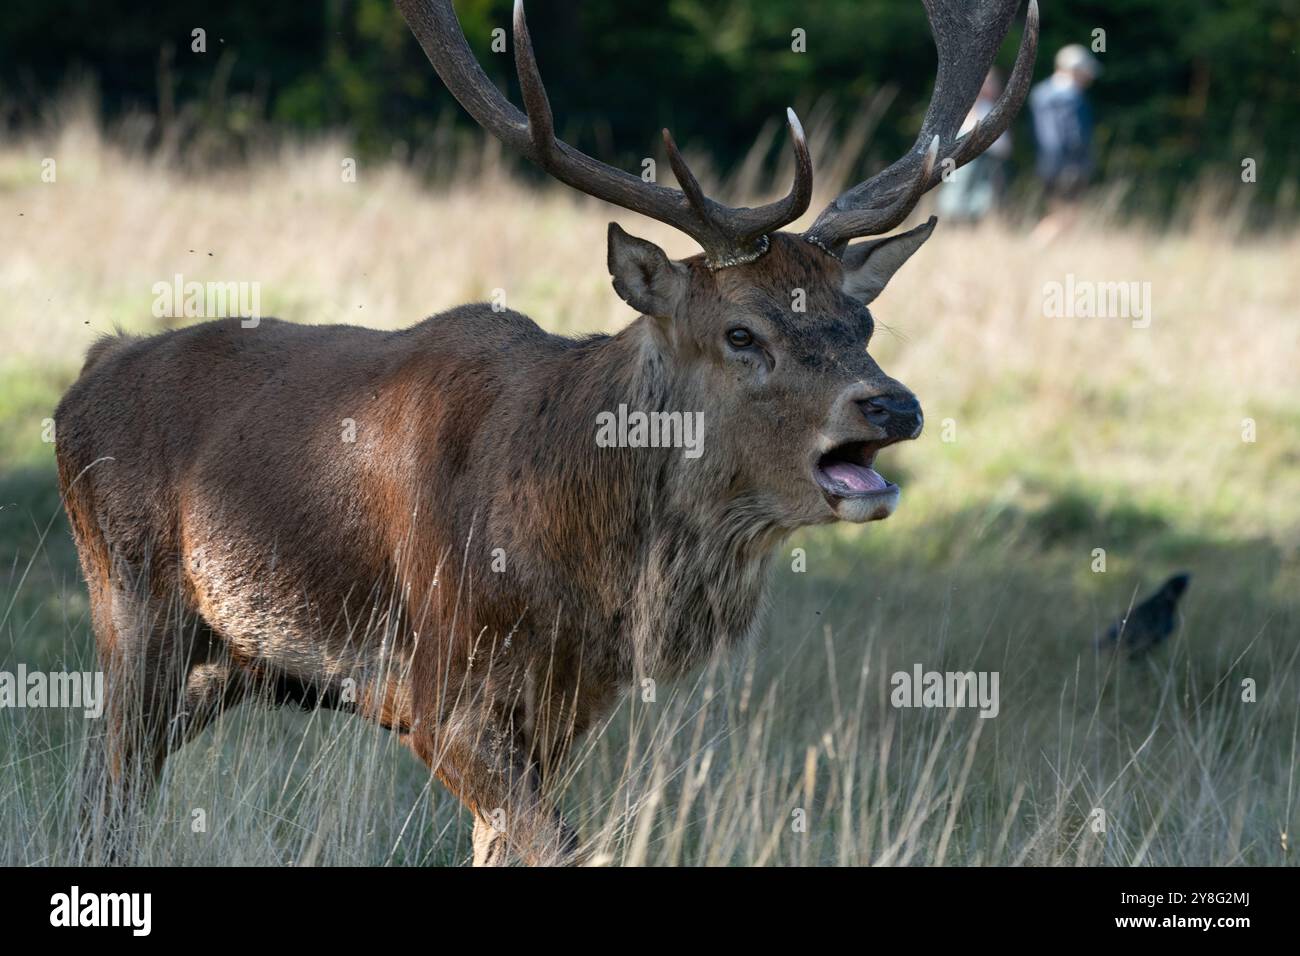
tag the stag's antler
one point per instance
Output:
(967, 35)
(728, 235)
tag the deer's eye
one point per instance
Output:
(739, 337)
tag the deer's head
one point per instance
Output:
(769, 331)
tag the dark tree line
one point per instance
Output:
(1190, 88)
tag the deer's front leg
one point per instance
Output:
(486, 766)
(489, 844)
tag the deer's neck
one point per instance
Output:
(675, 557)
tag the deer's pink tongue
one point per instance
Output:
(857, 478)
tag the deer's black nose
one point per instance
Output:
(897, 413)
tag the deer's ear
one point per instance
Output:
(644, 277)
(869, 265)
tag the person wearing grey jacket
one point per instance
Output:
(1063, 132)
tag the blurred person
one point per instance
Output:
(973, 191)
(1063, 131)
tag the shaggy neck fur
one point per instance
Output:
(671, 552)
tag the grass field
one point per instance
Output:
(1063, 436)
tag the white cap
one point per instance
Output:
(1077, 57)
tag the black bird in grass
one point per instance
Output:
(1149, 624)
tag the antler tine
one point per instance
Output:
(795, 202)
(907, 202)
(852, 223)
(685, 178)
(967, 41)
(574, 168)
(541, 122)
(728, 235)
(996, 121)
(747, 227)
(438, 31)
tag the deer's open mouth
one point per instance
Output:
(855, 490)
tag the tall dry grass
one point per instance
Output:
(1067, 436)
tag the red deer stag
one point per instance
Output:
(474, 571)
